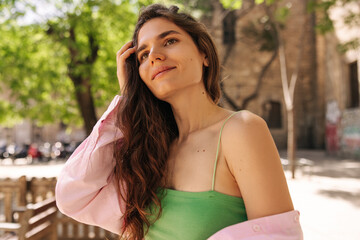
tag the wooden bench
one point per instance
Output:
(12, 194)
(40, 189)
(70, 229)
(36, 222)
(17, 192)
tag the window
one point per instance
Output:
(272, 114)
(354, 85)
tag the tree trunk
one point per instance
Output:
(289, 91)
(85, 102)
(81, 79)
(291, 141)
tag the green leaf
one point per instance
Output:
(231, 4)
(281, 14)
(349, 45)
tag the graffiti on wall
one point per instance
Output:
(350, 139)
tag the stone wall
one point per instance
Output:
(246, 61)
(342, 120)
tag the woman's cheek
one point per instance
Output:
(141, 73)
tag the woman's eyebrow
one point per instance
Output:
(160, 36)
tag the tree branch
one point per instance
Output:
(301, 44)
(240, 13)
(260, 80)
(282, 58)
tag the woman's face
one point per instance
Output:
(169, 59)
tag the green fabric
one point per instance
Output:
(195, 215)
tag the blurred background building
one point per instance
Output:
(327, 92)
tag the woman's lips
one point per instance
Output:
(162, 71)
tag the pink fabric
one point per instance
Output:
(86, 191)
(284, 226)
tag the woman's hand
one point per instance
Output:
(126, 50)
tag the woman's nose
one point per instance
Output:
(156, 55)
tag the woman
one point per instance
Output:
(161, 163)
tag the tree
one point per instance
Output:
(288, 91)
(86, 33)
(62, 67)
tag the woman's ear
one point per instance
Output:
(206, 61)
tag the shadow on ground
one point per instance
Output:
(337, 169)
(324, 165)
(352, 197)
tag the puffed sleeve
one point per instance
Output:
(85, 189)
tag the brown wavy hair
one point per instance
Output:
(149, 126)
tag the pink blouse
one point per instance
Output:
(86, 190)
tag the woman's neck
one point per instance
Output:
(193, 110)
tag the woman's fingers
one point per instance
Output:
(127, 53)
(123, 49)
(126, 50)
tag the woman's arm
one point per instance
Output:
(254, 161)
(85, 189)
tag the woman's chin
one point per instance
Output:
(163, 95)
(163, 91)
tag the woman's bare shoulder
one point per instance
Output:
(245, 131)
(243, 121)
(253, 159)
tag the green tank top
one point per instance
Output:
(195, 215)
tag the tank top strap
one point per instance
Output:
(217, 150)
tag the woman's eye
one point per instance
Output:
(170, 41)
(143, 56)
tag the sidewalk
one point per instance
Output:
(327, 196)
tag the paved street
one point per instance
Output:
(327, 194)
